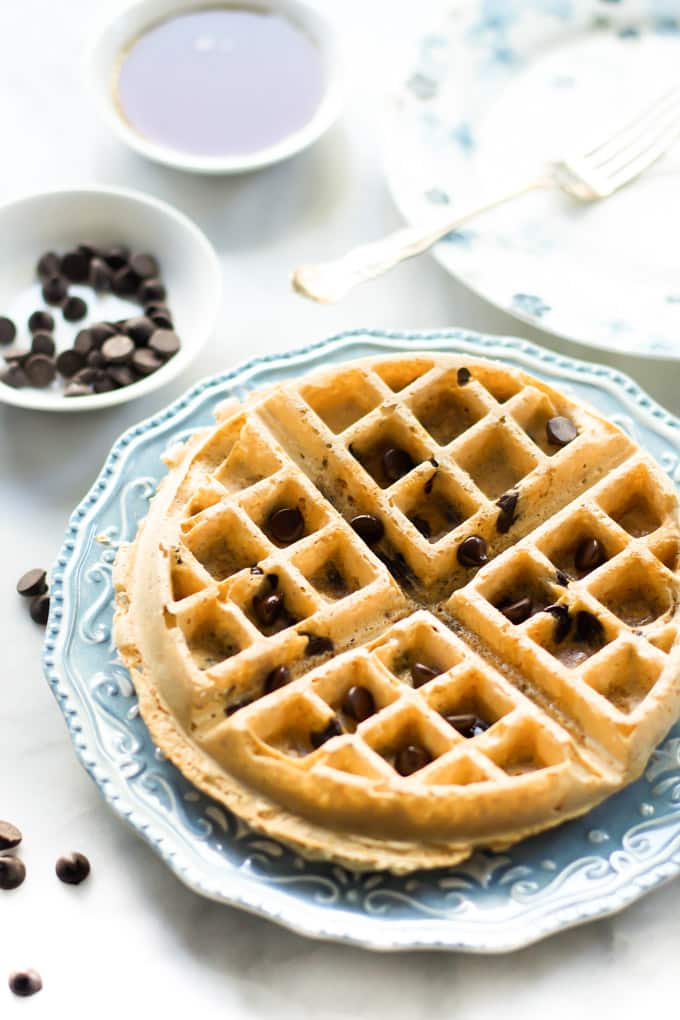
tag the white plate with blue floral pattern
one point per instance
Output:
(494, 89)
(587, 868)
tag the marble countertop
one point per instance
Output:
(132, 939)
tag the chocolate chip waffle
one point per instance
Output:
(399, 609)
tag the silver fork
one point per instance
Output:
(595, 175)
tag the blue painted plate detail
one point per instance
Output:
(494, 902)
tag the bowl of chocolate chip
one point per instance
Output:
(108, 295)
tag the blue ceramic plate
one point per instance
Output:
(495, 89)
(494, 902)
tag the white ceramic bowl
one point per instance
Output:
(57, 220)
(128, 24)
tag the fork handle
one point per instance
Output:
(327, 282)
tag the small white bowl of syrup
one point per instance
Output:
(221, 87)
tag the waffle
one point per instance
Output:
(402, 608)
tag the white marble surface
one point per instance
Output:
(132, 940)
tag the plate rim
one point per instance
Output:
(313, 919)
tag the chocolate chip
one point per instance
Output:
(101, 331)
(94, 358)
(40, 370)
(472, 552)
(144, 265)
(14, 376)
(410, 759)
(561, 578)
(7, 330)
(84, 342)
(562, 621)
(463, 376)
(49, 264)
(54, 290)
(116, 256)
(75, 389)
(86, 375)
(396, 463)
(72, 868)
(145, 362)
(12, 872)
(588, 628)
(124, 282)
(118, 350)
(518, 611)
(165, 343)
(589, 554)
(507, 505)
(319, 737)
(41, 322)
(151, 291)
(268, 608)
(100, 275)
(278, 677)
(69, 362)
(368, 527)
(103, 383)
(468, 724)
(422, 674)
(40, 609)
(121, 374)
(317, 644)
(43, 343)
(358, 703)
(140, 329)
(32, 583)
(286, 525)
(74, 309)
(421, 525)
(75, 266)
(25, 982)
(88, 249)
(17, 356)
(560, 430)
(10, 836)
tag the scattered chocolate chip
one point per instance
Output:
(145, 362)
(317, 644)
(124, 282)
(588, 628)
(117, 350)
(421, 525)
(75, 389)
(14, 376)
(72, 868)
(472, 552)
(358, 703)
(286, 525)
(7, 330)
(116, 256)
(560, 430)
(140, 328)
(12, 872)
(75, 266)
(54, 290)
(368, 527)
(25, 982)
(268, 608)
(40, 609)
(43, 343)
(101, 331)
(144, 265)
(396, 463)
(161, 320)
(10, 836)
(32, 583)
(100, 275)
(517, 611)
(165, 343)
(88, 249)
(151, 291)
(74, 309)
(562, 621)
(84, 342)
(17, 356)
(422, 674)
(589, 555)
(40, 370)
(277, 677)
(410, 759)
(41, 322)
(561, 578)
(103, 383)
(69, 362)
(319, 737)
(94, 358)
(507, 505)
(463, 376)
(121, 374)
(86, 375)
(468, 724)
(49, 264)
